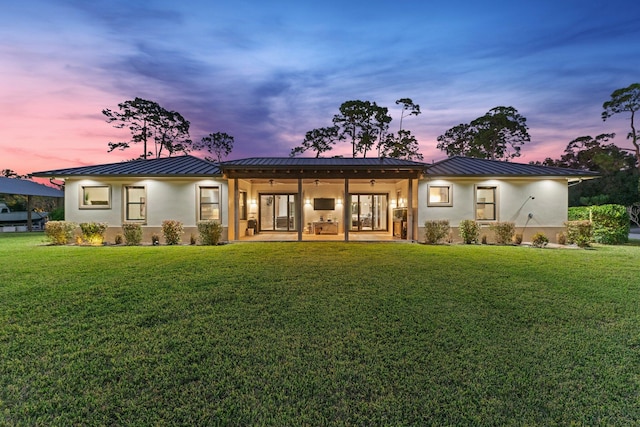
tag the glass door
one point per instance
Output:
(369, 212)
(277, 212)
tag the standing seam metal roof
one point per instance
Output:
(276, 162)
(468, 166)
(167, 166)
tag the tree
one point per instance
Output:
(10, 173)
(498, 135)
(148, 121)
(619, 178)
(219, 144)
(408, 108)
(402, 146)
(622, 101)
(319, 140)
(362, 123)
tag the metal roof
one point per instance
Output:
(24, 187)
(319, 162)
(313, 167)
(166, 166)
(469, 166)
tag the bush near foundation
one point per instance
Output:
(59, 232)
(469, 231)
(93, 232)
(504, 232)
(610, 222)
(579, 232)
(436, 230)
(132, 233)
(539, 240)
(210, 232)
(172, 231)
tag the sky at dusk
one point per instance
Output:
(266, 72)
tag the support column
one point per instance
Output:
(300, 210)
(410, 232)
(236, 210)
(346, 208)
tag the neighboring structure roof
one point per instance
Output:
(24, 187)
(166, 166)
(469, 166)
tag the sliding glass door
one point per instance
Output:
(369, 212)
(277, 212)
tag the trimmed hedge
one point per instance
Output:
(210, 232)
(610, 223)
(504, 232)
(132, 233)
(59, 232)
(93, 232)
(469, 231)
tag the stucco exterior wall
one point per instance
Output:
(533, 205)
(166, 199)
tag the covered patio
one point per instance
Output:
(307, 199)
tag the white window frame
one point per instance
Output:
(449, 188)
(87, 204)
(494, 203)
(143, 204)
(214, 205)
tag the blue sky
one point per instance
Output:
(266, 72)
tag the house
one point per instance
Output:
(300, 199)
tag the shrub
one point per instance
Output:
(539, 240)
(210, 232)
(484, 239)
(59, 232)
(193, 239)
(561, 238)
(118, 239)
(93, 232)
(579, 213)
(469, 231)
(155, 239)
(172, 231)
(436, 230)
(56, 214)
(579, 232)
(504, 232)
(132, 233)
(610, 222)
(517, 239)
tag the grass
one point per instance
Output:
(318, 334)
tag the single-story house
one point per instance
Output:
(274, 198)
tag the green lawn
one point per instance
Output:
(318, 334)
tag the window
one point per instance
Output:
(439, 195)
(486, 203)
(135, 203)
(209, 203)
(95, 197)
(243, 205)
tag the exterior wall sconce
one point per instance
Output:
(307, 201)
(338, 201)
(373, 182)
